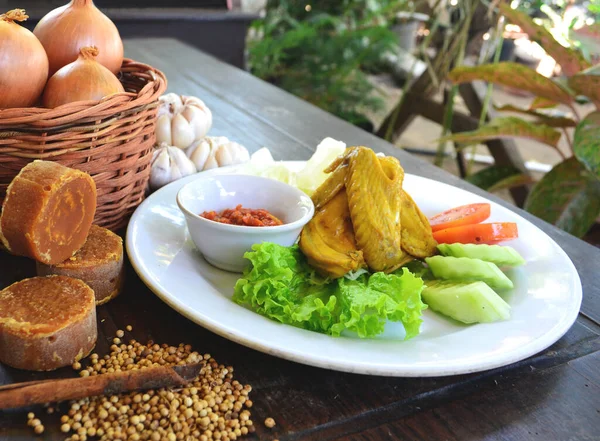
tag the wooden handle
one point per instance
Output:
(51, 391)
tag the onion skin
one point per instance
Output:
(83, 80)
(23, 63)
(78, 24)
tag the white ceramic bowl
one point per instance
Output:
(224, 245)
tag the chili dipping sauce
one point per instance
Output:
(246, 217)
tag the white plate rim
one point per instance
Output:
(369, 368)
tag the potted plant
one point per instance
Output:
(569, 195)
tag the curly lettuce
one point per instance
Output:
(281, 285)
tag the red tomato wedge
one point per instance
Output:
(463, 215)
(489, 233)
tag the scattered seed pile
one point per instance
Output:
(213, 407)
(32, 421)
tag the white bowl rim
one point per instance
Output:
(247, 229)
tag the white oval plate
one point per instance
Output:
(545, 301)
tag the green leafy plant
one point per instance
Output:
(569, 195)
(594, 9)
(321, 51)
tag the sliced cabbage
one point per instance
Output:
(312, 175)
(309, 178)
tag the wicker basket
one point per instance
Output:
(112, 140)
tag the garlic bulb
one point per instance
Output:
(169, 164)
(182, 120)
(216, 151)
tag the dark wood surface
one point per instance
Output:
(554, 395)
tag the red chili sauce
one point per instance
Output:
(246, 217)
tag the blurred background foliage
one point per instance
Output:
(322, 51)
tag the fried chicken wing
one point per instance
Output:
(328, 239)
(374, 198)
(417, 237)
(364, 218)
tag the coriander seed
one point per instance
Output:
(209, 408)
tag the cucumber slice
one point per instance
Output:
(467, 302)
(464, 269)
(500, 255)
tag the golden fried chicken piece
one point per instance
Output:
(331, 187)
(328, 239)
(336, 180)
(364, 218)
(417, 237)
(374, 190)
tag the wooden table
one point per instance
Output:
(554, 395)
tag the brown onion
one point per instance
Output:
(67, 29)
(82, 80)
(23, 62)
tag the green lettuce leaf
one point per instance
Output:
(282, 286)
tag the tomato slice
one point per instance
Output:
(489, 233)
(463, 215)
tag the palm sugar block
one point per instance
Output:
(47, 212)
(99, 263)
(46, 323)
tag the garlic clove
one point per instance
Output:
(200, 119)
(183, 163)
(218, 140)
(211, 162)
(160, 158)
(182, 135)
(160, 171)
(169, 164)
(198, 153)
(190, 120)
(223, 155)
(190, 113)
(205, 123)
(239, 153)
(169, 104)
(176, 173)
(187, 100)
(213, 142)
(158, 149)
(155, 153)
(163, 129)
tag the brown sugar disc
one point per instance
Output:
(46, 323)
(47, 212)
(99, 263)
